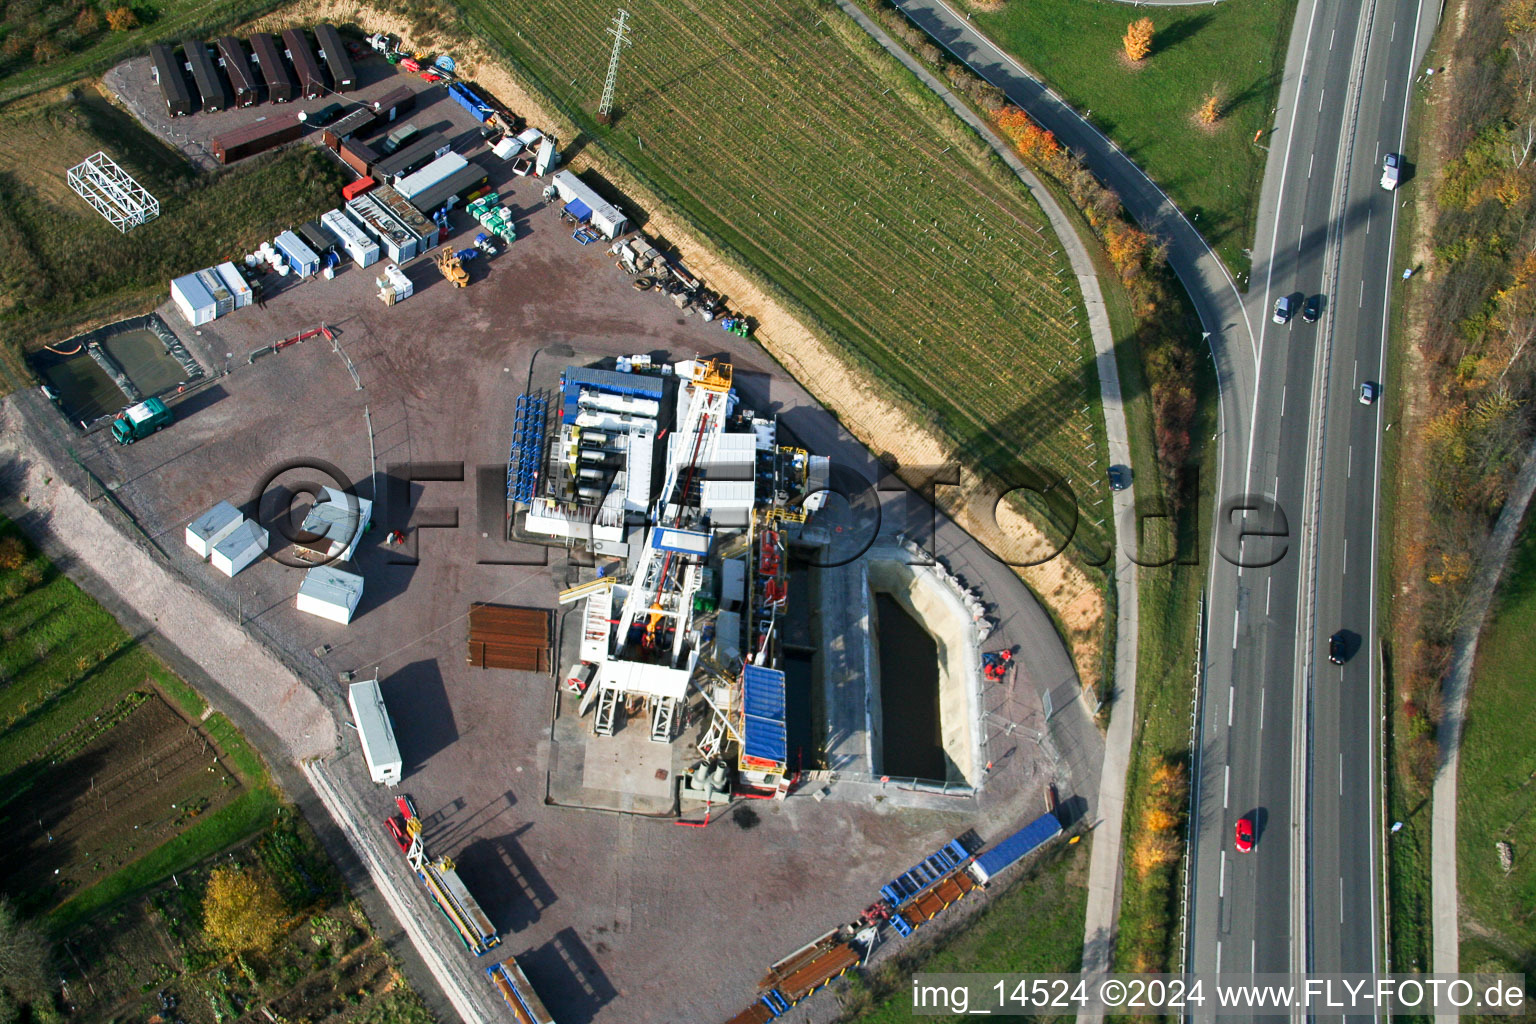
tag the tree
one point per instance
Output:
(1138, 40)
(1210, 108)
(23, 955)
(242, 910)
(122, 19)
(13, 553)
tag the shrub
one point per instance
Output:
(1138, 40)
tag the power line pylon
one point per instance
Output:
(620, 40)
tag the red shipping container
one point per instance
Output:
(357, 188)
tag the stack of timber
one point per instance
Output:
(510, 638)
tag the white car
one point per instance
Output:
(1391, 168)
(1368, 392)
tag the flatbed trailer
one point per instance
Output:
(929, 903)
(512, 983)
(458, 906)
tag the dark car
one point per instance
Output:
(1243, 838)
(1284, 309)
(1119, 477)
(1313, 309)
(1336, 648)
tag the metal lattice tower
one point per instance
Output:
(112, 191)
(605, 108)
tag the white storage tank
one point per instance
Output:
(376, 732)
(244, 544)
(211, 527)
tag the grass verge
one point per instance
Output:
(1236, 50)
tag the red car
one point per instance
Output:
(1244, 836)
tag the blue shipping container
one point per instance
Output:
(1017, 846)
(305, 261)
(478, 108)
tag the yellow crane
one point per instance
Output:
(452, 269)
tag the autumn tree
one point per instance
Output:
(1210, 108)
(242, 910)
(1138, 40)
(23, 956)
(13, 553)
(122, 19)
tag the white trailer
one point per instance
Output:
(243, 545)
(211, 527)
(363, 250)
(435, 173)
(375, 732)
(236, 283)
(604, 215)
(193, 301)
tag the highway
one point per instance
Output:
(1286, 736)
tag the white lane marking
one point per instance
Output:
(1394, 32)
(1361, 303)
(1261, 709)
(1320, 96)
(1231, 700)
(1269, 587)
(1235, 617)
(1383, 91)
(1226, 785)
(1276, 491)
(1330, 38)
(1354, 375)
(1283, 389)
(1223, 890)
(1367, 229)
(1218, 941)
(1349, 461)
(1346, 558)
(1300, 235)
(1310, 159)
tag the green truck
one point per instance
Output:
(139, 421)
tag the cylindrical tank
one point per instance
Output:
(250, 259)
(591, 473)
(590, 493)
(701, 775)
(282, 270)
(593, 455)
(721, 777)
(594, 437)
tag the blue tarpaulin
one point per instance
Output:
(1017, 846)
(763, 736)
(578, 209)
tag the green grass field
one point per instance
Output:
(1035, 925)
(66, 266)
(1235, 48)
(1496, 791)
(70, 676)
(806, 153)
(33, 21)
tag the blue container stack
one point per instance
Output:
(527, 447)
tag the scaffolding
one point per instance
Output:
(112, 191)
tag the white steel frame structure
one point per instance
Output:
(112, 191)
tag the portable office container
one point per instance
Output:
(211, 527)
(355, 123)
(464, 180)
(586, 204)
(317, 238)
(439, 170)
(304, 259)
(358, 155)
(245, 543)
(173, 84)
(237, 66)
(375, 731)
(193, 301)
(305, 64)
(257, 137)
(330, 593)
(399, 242)
(268, 55)
(209, 82)
(363, 250)
(334, 51)
(236, 283)
(416, 154)
(395, 103)
(224, 301)
(407, 214)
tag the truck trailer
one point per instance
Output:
(209, 82)
(436, 172)
(268, 55)
(173, 84)
(1015, 848)
(474, 929)
(305, 64)
(242, 76)
(334, 52)
(375, 732)
(512, 983)
(463, 181)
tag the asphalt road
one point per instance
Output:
(1287, 737)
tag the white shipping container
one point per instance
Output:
(230, 275)
(376, 732)
(605, 216)
(330, 593)
(363, 250)
(436, 172)
(211, 527)
(193, 300)
(245, 543)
